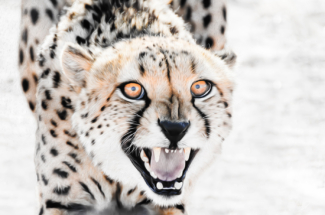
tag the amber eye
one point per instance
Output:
(133, 90)
(200, 88)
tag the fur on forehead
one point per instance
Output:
(121, 62)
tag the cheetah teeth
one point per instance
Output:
(178, 185)
(159, 186)
(144, 156)
(157, 151)
(187, 152)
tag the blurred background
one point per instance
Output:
(273, 163)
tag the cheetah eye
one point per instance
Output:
(200, 89)
(133, 91)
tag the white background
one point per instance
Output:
(273, 163)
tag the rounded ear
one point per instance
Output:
(227, 55)
(76, 63)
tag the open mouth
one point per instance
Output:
(163, 170)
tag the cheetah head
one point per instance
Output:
(151, 112)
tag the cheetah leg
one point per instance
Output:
(37, 17)
(207, 20)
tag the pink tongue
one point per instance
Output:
(169, 166)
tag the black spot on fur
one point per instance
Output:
(99, 126)
(110, 181)
(25, 84)
(56, 79)
(41, 212)
(182, 3)
(86, 189)
(62, 114)
(224, 13)
(45, 181)
(31, 105)
(226, 104)
(84, 115)
(60, 173)
(188, 14)
(93, 142)
(209, 42)
(72, 168)
(44, 104)
(45, 73)
(49, 13)
(31, 53)
(229, 115)
(54, 152)
(144, 202)
(141, 69)
(173, 30)
(118, 195)
(21, 56)
(94, 119)
(80, 40)
(54, 2)
(54, 123)
(24, 36)
(43, 139)
(66, 102)
(131, 191)
(180, 207)
(207, 20)
(85, 24)
(103, 108)
(53, 133)
(206, 3)
(75, 158)
(70, 133)
(35, 78)
(43, 158)
(72, 145)
(34, 15)
(62, 190)
(222, 29)
(99, 186)
(48, 94)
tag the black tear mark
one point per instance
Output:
(205, 119)
(61, 173)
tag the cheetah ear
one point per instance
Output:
(76, 63)
(228, 56)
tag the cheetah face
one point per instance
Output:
(152, 112)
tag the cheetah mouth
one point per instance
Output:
(163, 170)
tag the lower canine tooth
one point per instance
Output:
(178, 185)
(160, 186)
(147, 165)
(167, 151)
(187, 152)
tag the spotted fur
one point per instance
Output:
(86, 127)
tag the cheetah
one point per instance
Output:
(132, 101)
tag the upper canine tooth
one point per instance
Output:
(147, 165)
(144, 156)
(178, 185)
(167, 151)
(153, 175)
(187, 152)
(157, 151)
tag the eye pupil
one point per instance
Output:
(133, 88)
(197, 86)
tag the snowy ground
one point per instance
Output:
(273, 163)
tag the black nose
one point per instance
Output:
(174, 131)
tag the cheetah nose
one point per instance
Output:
(174, 131)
